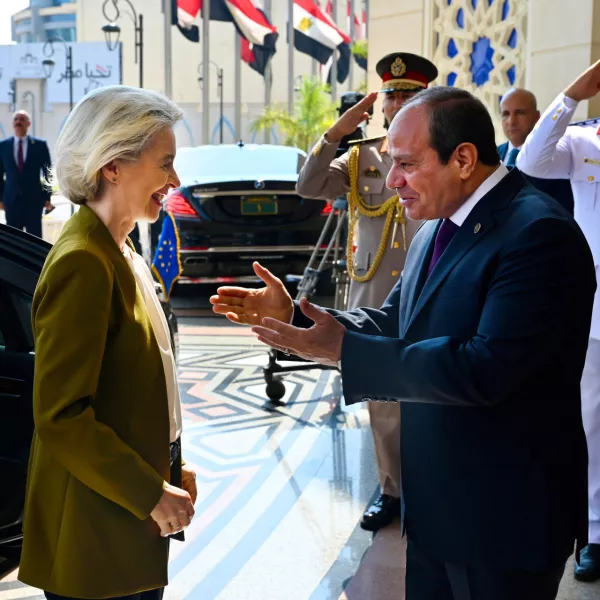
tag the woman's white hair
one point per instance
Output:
(109, 123)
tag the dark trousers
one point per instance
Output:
(150, 595)
(428, 579)
(22, 216)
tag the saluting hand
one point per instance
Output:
(587, 85)
(351, 119)
(249, 306)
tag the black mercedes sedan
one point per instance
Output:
(236, 204)
(22, 257)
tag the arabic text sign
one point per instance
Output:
(94, 66)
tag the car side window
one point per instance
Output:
(16, 331)
(22, 303)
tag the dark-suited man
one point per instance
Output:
(24, 167)
(483, 340)
(519, 113)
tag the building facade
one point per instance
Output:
(485, 46)
(187, 58)
(45, 19)
(489, 46)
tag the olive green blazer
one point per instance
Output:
(100, 452)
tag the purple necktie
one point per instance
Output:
(444, 235)
(20, 161)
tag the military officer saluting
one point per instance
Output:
(554, 150)
(380, 232)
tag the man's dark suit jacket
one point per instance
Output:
(26, 186)
(559, 189)
(486, 357)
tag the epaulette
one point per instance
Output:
(595, 121)
(365, 140)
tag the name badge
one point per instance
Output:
(591, 161)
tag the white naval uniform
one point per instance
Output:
(554, 150)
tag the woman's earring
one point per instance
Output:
(114, 180)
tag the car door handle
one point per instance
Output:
(10, 387)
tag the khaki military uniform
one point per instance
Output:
(326, 177)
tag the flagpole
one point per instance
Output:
(352, 35)
(205, 73)
(367, 38)
(168, 60)
(334, 12)
(238, 85)
(315, 63)
(290, 56)
(267, 78)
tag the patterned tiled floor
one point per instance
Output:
(281, 489)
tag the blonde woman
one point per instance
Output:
(106, 486)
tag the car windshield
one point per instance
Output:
(212, 164)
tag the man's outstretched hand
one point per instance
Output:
(249, 306)
(322, 343)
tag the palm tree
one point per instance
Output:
(313, 114)
(361, 49)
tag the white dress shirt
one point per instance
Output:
(460, 216)
(145, 283)
(16, 148)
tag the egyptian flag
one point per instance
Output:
(258, 35)
(257, 32)
(219, 10)
(359, 32)
(255, 56)
(355, 23)
(316, 34)
(183, 14)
